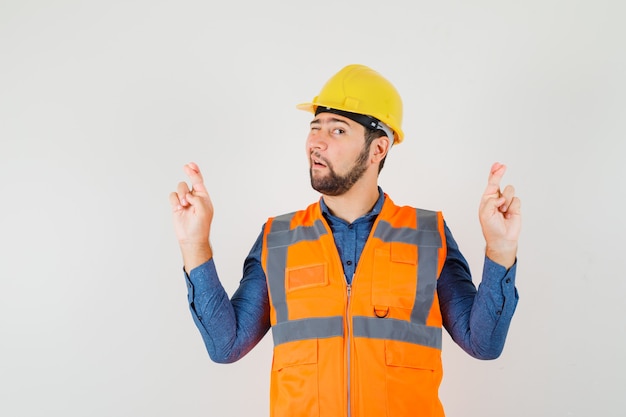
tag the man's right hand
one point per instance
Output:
(192, 214)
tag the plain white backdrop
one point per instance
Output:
(102, 102)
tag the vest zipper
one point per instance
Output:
(349, 343)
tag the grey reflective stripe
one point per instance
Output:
(282, 223)
(427, 263)
(426, 284)
(276, 264)
(385, 232)
(299, 234)
(314, 328)
(400, 330)
(279, 239)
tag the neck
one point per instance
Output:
(354, 203)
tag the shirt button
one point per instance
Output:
(350, 226)
(349, 262)
(508, 280)
(498, 312)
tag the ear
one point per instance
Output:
(380, 147)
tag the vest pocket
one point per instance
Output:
(295, 386)
(413, 375)
(395, 276)
(308, 276)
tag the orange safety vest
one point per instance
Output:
(372, 348)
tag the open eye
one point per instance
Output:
(338, 131)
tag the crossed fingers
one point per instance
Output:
(183, 195)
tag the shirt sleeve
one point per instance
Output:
(477, 319)
(231, 327)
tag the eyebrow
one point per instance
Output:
(330, 120)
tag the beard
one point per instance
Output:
(334, 184)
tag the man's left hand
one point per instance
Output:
(500, 218)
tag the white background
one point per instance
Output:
(102, 102)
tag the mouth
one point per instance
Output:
(317, 162)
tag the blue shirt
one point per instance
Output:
(350, 238)
(477, 319)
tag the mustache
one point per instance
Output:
(319, 157)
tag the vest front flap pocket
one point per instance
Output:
(412, 379)
(299, 352)
(404, 253)
(307, 276)
(395, 276)
(410, 355)
(295, 379)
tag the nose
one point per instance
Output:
(316, 141)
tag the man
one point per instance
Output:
(355, 288)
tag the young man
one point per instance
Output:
(355, 289)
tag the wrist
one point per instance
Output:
(195, 254)
(504, 255)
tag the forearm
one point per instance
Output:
(477, 320)
(492, 310)
(230, 328)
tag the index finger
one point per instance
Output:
(495, 176)
(194, 174)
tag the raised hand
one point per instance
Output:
(500, 218)
(192, 214)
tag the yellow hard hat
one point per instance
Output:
(360, 89)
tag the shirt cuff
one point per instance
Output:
(496, 276)
(202, 278)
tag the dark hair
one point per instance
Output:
(370, 135)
